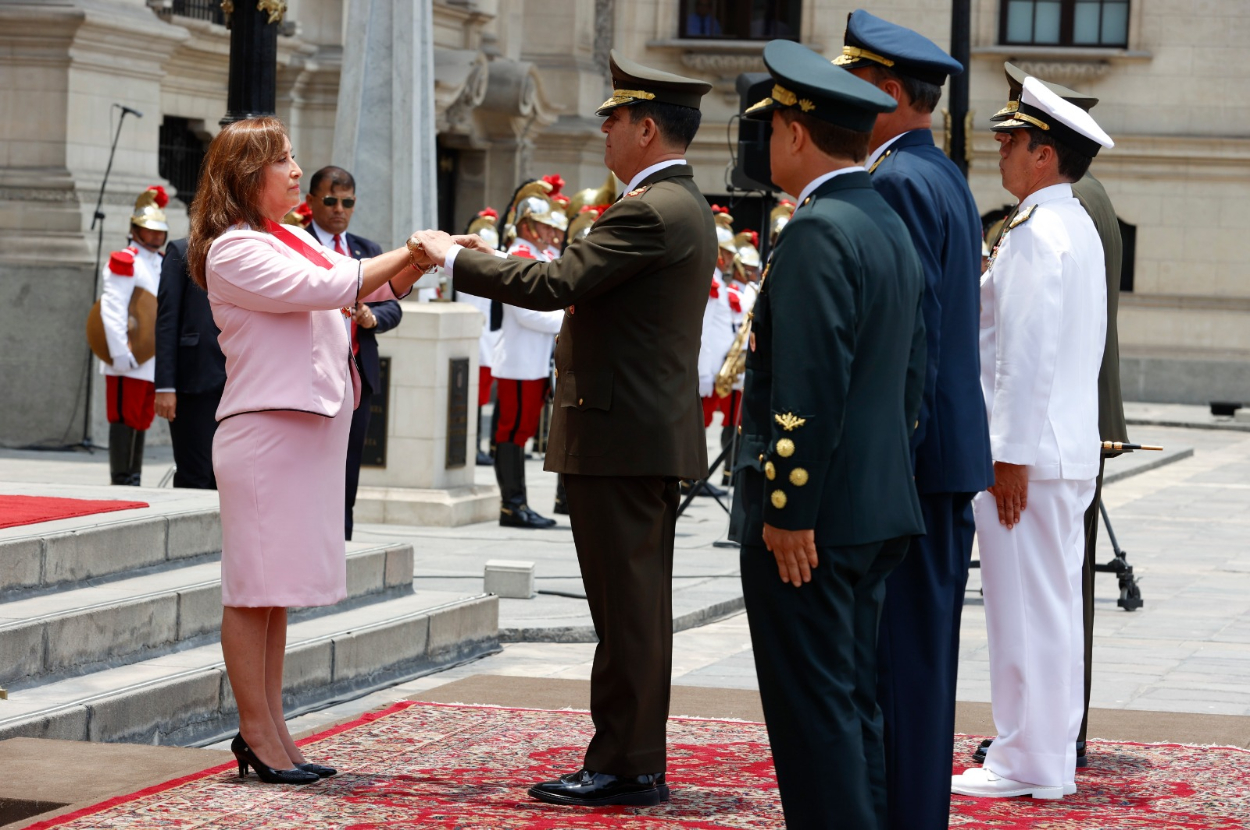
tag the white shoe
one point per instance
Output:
(981, 783)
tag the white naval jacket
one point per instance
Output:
(115, 310)
(1043, 327)
(488, 339)
(526, 337)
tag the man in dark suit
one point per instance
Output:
(332, 199)
(1111, 426)
(833, 388)
(628, 422)
(918, 648)
(190, 370)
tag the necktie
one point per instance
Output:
(338, 249)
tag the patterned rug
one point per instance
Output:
(418, 765)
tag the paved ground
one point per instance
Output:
(1185, 525)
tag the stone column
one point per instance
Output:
(418, 486)
(385, 130)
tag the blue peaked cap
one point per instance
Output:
(871, 41)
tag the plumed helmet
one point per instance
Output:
(605, 195)
(748, 253)
(724, 229)
(300, 215)
(778, 218)
(584, 221)
(484, 226)
(533, 201)
(150, 209)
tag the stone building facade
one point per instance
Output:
(515, 85)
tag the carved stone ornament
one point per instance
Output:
(722, 64)
(276, 9)
(1068, 73)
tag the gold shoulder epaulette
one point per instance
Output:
(1022, 216)
(639, 191)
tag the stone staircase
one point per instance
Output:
(109, 629)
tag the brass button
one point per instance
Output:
(739, 429)
(555, 373)
(785, 448)
(761, 458)
(798, 476)
(581, 401)
(770, 472)
(778, 498)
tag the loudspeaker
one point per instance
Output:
(752, 171)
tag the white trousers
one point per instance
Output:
(1031, 576)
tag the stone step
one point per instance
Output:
(74, 631)
(184, 697)
(45, 556)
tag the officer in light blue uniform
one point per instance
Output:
(918, 646)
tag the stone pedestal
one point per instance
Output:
(417, 486)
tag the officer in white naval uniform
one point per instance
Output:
(522, 359)
(1043, 321)
(130, 391)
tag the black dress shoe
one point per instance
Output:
(318, 770)
(522, 516)
(484, 459)
(1081, 760)
(598, 789)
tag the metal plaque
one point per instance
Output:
(374, 453)
(457, 413)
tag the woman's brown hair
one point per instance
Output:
(230, 185)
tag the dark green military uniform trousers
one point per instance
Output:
(623, 527)
(816, 659)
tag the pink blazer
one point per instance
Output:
(286, 341)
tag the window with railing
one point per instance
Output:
(1101, 23)
(740, 19)
(179, 155)
(209, 10)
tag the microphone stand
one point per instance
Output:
(97, 219)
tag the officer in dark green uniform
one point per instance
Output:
(833, 390)
(628, 421)
(1111, 426)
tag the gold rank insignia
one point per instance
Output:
(770, 472)
(639, 191)
(785, 448)
(789, 422)
(778, 498)
(880, 159)
(1022, 217)
(798, 476)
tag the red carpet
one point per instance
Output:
(420, 765)
(29, 510)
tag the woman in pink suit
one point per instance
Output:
(281, 301)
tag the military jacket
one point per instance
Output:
(633, 290)
(926, 189)
(1093, 197)
(834, 382)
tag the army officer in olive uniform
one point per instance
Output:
(628, 422)
(833, 389)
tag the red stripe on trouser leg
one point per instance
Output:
(129, 401)
(520, 405)
(484, 380)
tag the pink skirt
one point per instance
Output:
(281, 477)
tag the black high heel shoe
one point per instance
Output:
(318, 770)
(246, 757)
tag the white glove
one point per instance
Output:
(124, 363)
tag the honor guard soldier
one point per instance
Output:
(1111, 426)
(1043, 326)
(919, 639)
(718, 326)
(833, 388)
(627, 423)
(131, 282)
(740, 289)
(522, 361)
(483, 225)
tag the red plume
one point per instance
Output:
(489, 213)
(719, 209)
(162, 198)
(786, 202)
(556, 181)
(303, 210)
(755, 239)
(559, 198)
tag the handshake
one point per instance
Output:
(428, 249)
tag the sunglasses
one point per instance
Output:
(331, 201)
